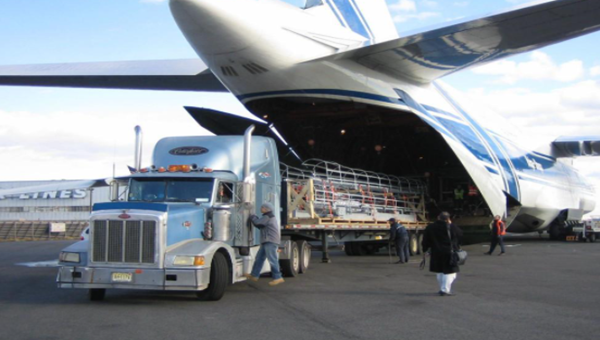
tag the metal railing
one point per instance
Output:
(339, 191)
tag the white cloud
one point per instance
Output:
(404, 6)
(405, 10)
(461, 4)
(571, 110)
(418, 16)
(81, 147)
(429, 4)
(152, 1)
(595, 71)
(540, 67)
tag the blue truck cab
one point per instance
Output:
(182, 223)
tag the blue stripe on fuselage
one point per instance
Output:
(506, 167)
(350, 16)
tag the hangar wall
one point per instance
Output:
(58, 206)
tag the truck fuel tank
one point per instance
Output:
(221, 225)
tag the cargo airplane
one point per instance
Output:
(335, 81)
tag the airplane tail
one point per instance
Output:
(368, 18)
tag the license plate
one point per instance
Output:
(122, 277)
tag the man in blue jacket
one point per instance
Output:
(270, 237)
(399, 235)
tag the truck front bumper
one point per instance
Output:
(130, 278)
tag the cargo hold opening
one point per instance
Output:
(377, 139)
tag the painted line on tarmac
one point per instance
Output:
(506, 245)
(39, 264)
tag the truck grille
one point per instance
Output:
(124, 241)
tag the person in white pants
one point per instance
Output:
(440, 238)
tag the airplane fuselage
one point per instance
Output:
(262, 58)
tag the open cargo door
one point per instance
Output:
(222, 123)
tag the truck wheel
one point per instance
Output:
(359, 250)
(97, 294)
(349, 249)
(219, 272)
(369, 249)
(305, 253)
(290, 268)
(592, 237)
(413, 244)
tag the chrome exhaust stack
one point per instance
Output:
(138, 148)
(249, 181)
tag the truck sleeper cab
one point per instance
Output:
(182, 226)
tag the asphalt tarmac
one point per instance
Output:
(538, 290)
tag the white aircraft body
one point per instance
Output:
(335, 79)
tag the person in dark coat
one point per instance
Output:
(399, 235)
(440, 239)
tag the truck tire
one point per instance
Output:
(349, 249)
(413, 244)
(290, 268)
(219, 272)
(97, 294)
(592, 237)
(359, 250)
(305, 253)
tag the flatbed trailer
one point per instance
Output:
(350, 206)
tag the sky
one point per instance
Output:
(48, 133)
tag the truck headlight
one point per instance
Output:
(69, 257)
(186, 260)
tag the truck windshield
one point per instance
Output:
(170, 189)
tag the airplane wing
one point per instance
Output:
(427, 56)
(174, 75)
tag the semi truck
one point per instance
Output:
(181, 224)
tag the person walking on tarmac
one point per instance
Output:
(498, 231)
(270, 237)
(441, 238)
(399, 235)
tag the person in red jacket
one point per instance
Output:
(498, 232)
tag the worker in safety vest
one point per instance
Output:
(459, 196)
(498, 230)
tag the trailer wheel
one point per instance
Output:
(219, 272)
(349, 249)
(413, 244)
(305, 253)
(359, 250)
(97, 294)
(290, 268)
